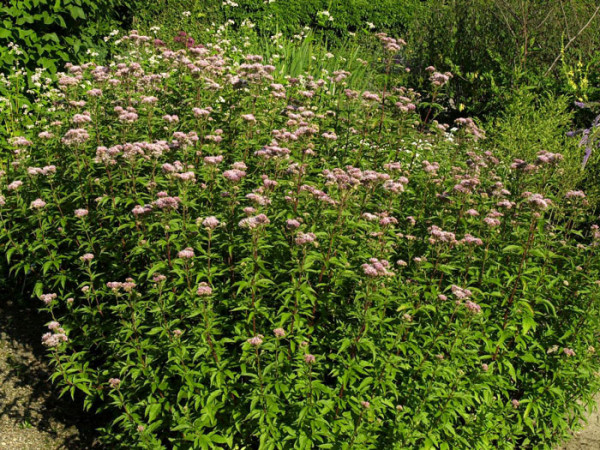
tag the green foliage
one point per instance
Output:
(50, 33)
(531, 123)
(291, 16)
(493, 46)
(233, 257)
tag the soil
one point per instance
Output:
(589, 437)
(31, 414)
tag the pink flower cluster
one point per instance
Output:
(213, 160)
(461, 293)
(305, 238)
(256, 340)
(75, 136)
(234, 175)
(537, 201)
(14, 185)
(575, 194)
(377, 268)
(471, 240)
(38, 204)
(87, 257)
(166, 202)
(204, 289)
(55, 337)
(210, 222)
(470, 127)
(546, 157)
(309, 359)
(128, 285)
(45, 171)
(438, 79)
(438, 235)
(47, 298)
(473, 307)
(279, 333)
(254, 222)
(389, 43)
(186, 253)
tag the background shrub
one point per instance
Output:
(495, 46)
(291, 16)
(50, 33)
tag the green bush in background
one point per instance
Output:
(50, 33)
(333, 18)
(493, 46)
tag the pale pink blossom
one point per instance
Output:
(309, 359)
(211, 222)
(47, 298)
(279, 332)
(38, 204)
(204, 289)
(256, 340)
(186, 253)
(87, 257)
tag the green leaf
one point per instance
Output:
(516, 249)
(152, 411)
(76, 12)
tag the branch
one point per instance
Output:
(572, 39)
(562, 8)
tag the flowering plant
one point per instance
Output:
(231, 256)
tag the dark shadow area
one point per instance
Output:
(27, 396)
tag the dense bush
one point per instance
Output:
(50, 33)
(234, 258)
(531, 123)
(331, 19)
(493, 46)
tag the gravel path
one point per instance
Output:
(31, 415)
(589, 437)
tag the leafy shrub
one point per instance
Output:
(50, 33)
(496, 45)
(235, 258)
(530, 124)
(332, 20)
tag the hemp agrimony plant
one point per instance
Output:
(235, 258)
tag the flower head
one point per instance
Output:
(279, 332)
(309, 359)
(47, 298)
(204, 289)
(186, 253)
(256, 340)
(38, 204)
(87, 257)
(211, 222)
